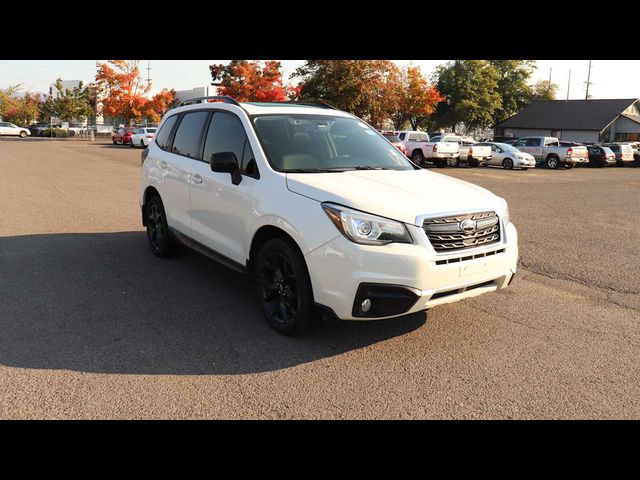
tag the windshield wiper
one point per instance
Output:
(316, 170)
(369, 167)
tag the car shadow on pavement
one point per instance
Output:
(101, 302)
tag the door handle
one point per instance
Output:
(163, 164)
(197, 178)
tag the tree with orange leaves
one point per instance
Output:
(123, 93)
(248, 81)
(417, 99)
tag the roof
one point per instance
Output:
(257, 108)
(569, 114)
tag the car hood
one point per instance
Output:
(399, 195)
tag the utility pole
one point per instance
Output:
(149, 73)
(550, 70)
(588, 82)
(568, 84)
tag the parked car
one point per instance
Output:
(547, 151)
(509, 157)
(510, 142)
(122, 135)
(600, 156)
(623, 152)
(395, 141)
(421, 150)
(325, 216)
(76, 128)
(46, 126)
(469, 151)
(8, 128)
(142, 137)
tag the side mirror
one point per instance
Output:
(226, 162)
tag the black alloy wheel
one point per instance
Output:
(283, 287)
(160, 240)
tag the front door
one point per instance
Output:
(221, 211)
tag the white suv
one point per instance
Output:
(323, 213)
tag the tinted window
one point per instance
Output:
(188, 134)
(249, 165)
(402, 135)
(225, 134)
(163, 136)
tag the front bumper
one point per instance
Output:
(338, 268)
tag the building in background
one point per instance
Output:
(585, 121)
(206, 91)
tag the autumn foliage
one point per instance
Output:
(248, 81)
(417, 99)
(124, 94)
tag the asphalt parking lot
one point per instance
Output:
(92, 325)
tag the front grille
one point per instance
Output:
(447, 234)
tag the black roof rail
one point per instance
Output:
(224, 98)
(312, 103)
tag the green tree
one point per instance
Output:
(470, 89)
(544, 90)
(69, 103)
(513, 86)
(366, 88)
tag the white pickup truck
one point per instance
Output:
(468, 151)
(421, 150)
(547, 150)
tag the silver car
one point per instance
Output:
(509, 157)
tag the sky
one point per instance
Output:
(610, 78)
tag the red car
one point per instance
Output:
(122, 135)
(395, 141)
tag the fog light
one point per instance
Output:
(365, 306)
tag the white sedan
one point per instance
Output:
(509, 157)
(7, 128)
(142, 137)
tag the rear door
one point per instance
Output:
(3, 129)
(175, 163)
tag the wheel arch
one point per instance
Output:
(149, 192)
(262, 235)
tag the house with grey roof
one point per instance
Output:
(585, 121)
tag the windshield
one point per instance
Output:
(322, 143)
(507, 148)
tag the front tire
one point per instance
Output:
(283, 287)
(507, 164)
(23, 134)
(417, 157)
(553, 162)
(161, 242)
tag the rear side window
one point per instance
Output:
(402, 135)
(163, 138)
(615, 148)
(188, 135)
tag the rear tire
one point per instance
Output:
(142, 144)
(453, 162)
(553, 162)
(283, 287)
(161, 242)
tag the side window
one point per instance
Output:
(163, 138)
(249, 165)
(519, 143)
(533, 142)
(402, 135)
(226, 134)
(188, 135)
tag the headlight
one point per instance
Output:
(503, 211)
(360, 227)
